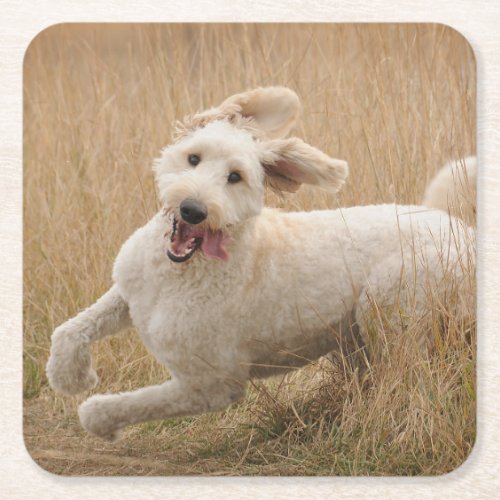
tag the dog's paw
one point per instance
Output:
(97, 417)
(69, 369)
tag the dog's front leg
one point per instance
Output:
(69, 369)
(104, 415)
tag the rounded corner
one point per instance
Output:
(35, 461)
(39, 35)
(459, 34)
(465, 463)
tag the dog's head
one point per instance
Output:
(214, 175)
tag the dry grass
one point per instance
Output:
(395, 101)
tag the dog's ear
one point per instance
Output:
(288, 163)
(274, 109)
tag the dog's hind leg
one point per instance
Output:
(104, 415)
(69, 369)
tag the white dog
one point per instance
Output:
(222, 289)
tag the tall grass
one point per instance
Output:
(395, 101)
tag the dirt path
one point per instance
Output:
(57, 443)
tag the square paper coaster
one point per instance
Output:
(397, 102)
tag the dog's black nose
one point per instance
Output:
(193, 211)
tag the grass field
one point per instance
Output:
(100, 101)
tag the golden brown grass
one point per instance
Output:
(395, 101)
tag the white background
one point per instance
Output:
(478, 21)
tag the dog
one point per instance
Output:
(223, 289)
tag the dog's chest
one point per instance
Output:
(179, 319)
(180, 313)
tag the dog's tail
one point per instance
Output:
(453, 189)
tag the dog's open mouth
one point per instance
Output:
(184, 239)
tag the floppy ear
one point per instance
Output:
(274, 110)
(288, 163)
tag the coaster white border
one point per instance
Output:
(20, 477)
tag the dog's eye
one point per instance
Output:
(234, 177)
(194, 160)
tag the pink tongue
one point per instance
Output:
(213, 245)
